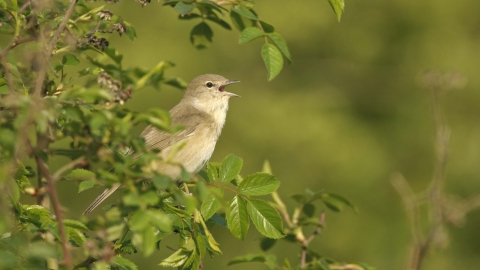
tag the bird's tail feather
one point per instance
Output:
(101, 198)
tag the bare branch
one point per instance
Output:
(51, 45)
(56, 207)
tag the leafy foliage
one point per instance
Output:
(63, 97)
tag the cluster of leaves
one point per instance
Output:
(304, 216)
(153, 210)
(244, 18)
(62, 95)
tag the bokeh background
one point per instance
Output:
(346, 115)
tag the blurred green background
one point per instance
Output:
(346, 115)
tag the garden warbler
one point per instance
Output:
(202, 112)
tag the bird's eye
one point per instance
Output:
(209, 84)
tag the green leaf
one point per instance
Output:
(237, 217)
(90, 70)
(265, 218)
(273, 60)
(281, 44)
(268, 28)
(209, 206)
(37, 215)
(139, 220)
(160, 220)
(218, 220)
(183, 8)
(219, 21)
(230, 168)
(299, 198)
(309, 209)
(240, 22)
(70, 60)
(189, 16)
(212, 172)
(90, 12)
(86, 185)
(158, 69)
(4, 90)
(338, 6)
(245, 12)
(123, 263)
(150, 197)
(75, 224)
(201, 36)
(115, 231)
(177, 83)
(247, 258)
(200, 243)
(249, 34)
(267, 243)
(76, 236)
(336, 202)
(176, 259)
(149, 241)
(131, 199)
(259, 184)
(80, 175)
(161, 182)
(114, 55)
(130, 30)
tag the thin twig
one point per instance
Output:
(51, 45)
(419, 242)
(319, 228)
(66, 167)
(306, 242)
(436, 198)
(20, 10)
(56, 207)
(15, 43)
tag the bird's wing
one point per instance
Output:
(156, 139)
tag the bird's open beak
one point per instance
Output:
(228, 93)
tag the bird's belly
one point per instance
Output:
(196, 152)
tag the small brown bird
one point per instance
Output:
(202, 112)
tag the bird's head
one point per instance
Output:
(207, 92)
